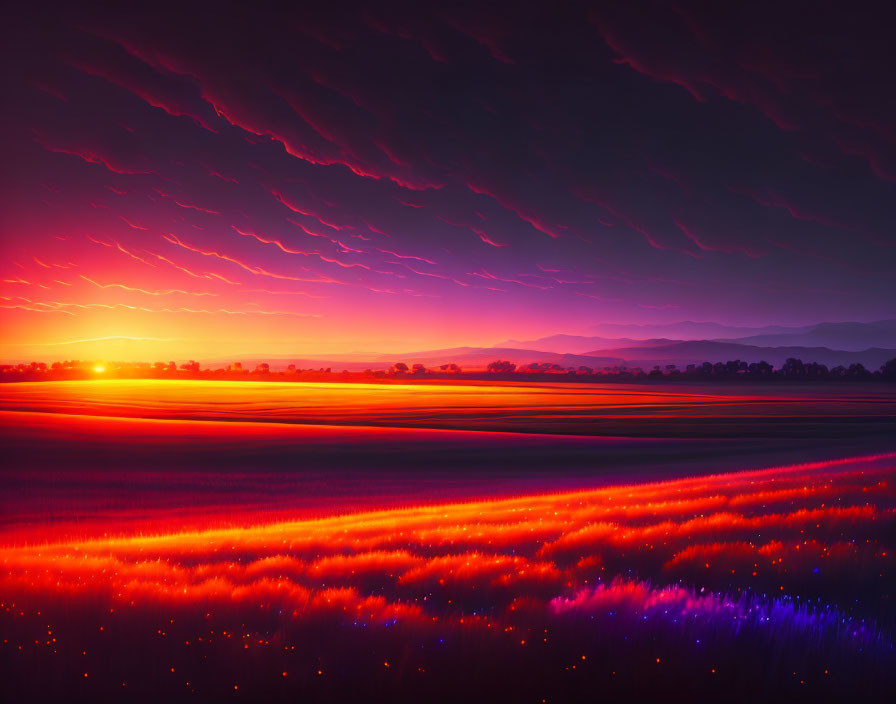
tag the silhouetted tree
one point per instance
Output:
(501, 366)
(888, 370)
(857, 371)
(793, 368)
(762, 368)
(814, 370)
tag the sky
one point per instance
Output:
(195, 180)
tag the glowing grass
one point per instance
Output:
(688, 584)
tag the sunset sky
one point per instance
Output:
(211, 181)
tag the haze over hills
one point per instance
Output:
(689, 330)
(580, 344)
(656, 352)
(464, 357)
(481, 356)
(699, 351)
(870, 344)
(678, 353)
(841, 336)
(851, 336)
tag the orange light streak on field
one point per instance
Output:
(542, 407)
(545, 536)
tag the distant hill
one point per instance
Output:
(858, 335)
(850, 336)
(580, 344)
(840, 336)
(690, 330)
(699, 351)
(826, 343)
(279, 363)
(464, 357)
(472, 357)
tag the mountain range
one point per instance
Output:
(831, 344)
(850, 336)
(698, 351)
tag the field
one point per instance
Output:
(506, 542)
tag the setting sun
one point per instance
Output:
(99, 368)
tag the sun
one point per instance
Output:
(99, 368)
